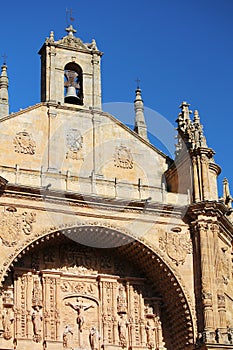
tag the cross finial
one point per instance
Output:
(4, 59)
(70, 30)
(138, 81)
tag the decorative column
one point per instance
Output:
(115, 330)
(206, 246)
(195, 181)
(221, 304)
(205, 176)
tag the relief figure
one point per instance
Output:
(37, 324)
(7, 322)
(94, 338)
(122, 330)
(67, 337)
(80, 308)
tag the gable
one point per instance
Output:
(55, 145)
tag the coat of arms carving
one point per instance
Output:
(123, 158)
(10, 224)
(176, 245)
(74, 141)
(24, 143)
(13, 223)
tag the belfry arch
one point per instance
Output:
(127, 283)
(73, 84)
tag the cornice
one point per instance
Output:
(75, 199)
(212, 209)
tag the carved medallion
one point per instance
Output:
(10, 224)
(74, 141)
(24, 143)
(123, 158)
(176, 245)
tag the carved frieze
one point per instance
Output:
(24, 143)
(123, 158)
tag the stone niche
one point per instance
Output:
(75, 297)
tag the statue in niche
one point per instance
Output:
(122, 330)
(94, 338)
(37, 323)
(158, 332)
(36, 294)
(80, 308)
(67, 337)
(150, 335)
(7, 323)
(121, 301)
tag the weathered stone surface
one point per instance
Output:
(104, 241)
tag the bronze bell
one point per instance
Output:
(71, 96)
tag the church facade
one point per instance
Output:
(105, 241)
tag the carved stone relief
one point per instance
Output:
(177, 245)
(74, 142)
(24, 143)
(226, 265)
(79, 306)
(123, 158)
(13, 223)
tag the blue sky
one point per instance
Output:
(182, 50)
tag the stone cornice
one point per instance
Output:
(212, 209)
(94, 201)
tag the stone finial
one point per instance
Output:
(190, 132)
(183, 119)
(70, 30)
(140, 125)
(197, 137)
(51, 37)
(227, 198)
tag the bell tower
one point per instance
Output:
(70, 71)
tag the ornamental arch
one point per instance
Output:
(70, 295)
